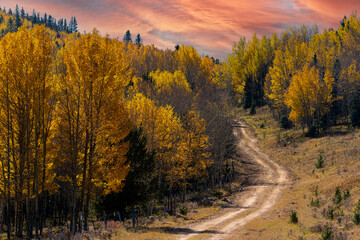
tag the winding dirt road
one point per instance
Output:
(257, 199)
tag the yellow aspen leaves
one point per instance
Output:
(181, 150)
(92, 119)
(308, 95)
(25, 100)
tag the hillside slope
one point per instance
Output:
(340, 151)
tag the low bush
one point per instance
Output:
(293, 217)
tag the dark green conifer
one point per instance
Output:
(127, 37)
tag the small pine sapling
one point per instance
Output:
(337, 197)
(320, 162)
(293, 217)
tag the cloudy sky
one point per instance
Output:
(209, 25)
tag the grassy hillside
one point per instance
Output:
(340, 151)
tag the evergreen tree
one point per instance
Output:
(335, 110)
(44, 19)
(75, 25)
(248, 95)
(50, 22)
(140, 182)
(65, 26)
(22, 13)
(127, 37)
(10, 11)
(138, 40)
(17, 17)
(61, 24)
(355, 110)
(10, 25)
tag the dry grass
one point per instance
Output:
(165, 227)
(341, 153)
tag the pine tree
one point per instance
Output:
(127, 37)
(44, 20)
(10, 25)
(248, 93)
(138, 40)
(17, 17)
(22, 13)
(66, 28)
(49, 22)
(61, 24)
(71, 24)
(74, 25)
(139, 183)
(34, 17)
(355, 110)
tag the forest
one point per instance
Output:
(91, 125)
(309, 78)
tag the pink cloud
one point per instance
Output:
(211, 26)
(330, 11)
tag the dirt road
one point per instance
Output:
(257, 199)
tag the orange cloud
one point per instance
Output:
(211, 26)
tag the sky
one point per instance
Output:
(211, 26)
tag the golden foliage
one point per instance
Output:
(309, 95)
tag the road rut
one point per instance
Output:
(256, 200)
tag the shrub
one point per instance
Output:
(337, 197)
(356, 218)
(320, 162)
(346, 194)
(293, 217)
(217, 194)
(315, 203)
(330, 213)
(327, 234)
(184, 210)
(285, 123)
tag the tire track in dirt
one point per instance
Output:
(258, 198)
